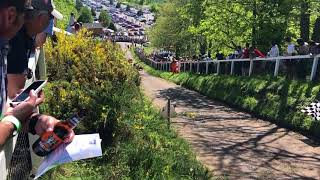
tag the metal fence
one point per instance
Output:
(305, 66)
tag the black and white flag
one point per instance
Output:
(313, 110)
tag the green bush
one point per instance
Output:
(99, 81)
(278, 99)
(93, 75)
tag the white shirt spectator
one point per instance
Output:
(274, 52)
(291, 49)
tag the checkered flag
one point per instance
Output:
(313, 110)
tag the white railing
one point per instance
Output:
(194, 66)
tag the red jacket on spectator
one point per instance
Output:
(259, 53)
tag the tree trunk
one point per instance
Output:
(203, 45)
(316, 31)
(305, 20)
(254, 24)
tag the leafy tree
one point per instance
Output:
(170, 31)
(199, 26)
(153, 9)
(85, 15)
(93, 12)
(105, 18)
(79, 5)
(112, 26)
(141, 2)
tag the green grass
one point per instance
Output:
(276, 99)
(146, 150)
(65, 7)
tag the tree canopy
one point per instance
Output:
(93, 12)
(198, 26)
(79, 5)
(85, 15)
(105, 18)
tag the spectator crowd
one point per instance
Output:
(298, 67)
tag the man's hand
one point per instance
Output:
(46, 123)
(25, 109)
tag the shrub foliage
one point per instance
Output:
(93, 75)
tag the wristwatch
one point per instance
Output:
(14, 121)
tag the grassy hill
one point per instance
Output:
(65, 7)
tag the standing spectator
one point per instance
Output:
(12, 119)
(71, 22)
(314, 48)
(291, 51)
(219, 55)
(303, 48)
(301, 65)
(238, 65)
(239, 52)
(274, 51)
(245, 53)
(255, 52)
(23, 45)
(36, 20)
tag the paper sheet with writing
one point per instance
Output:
(82, 147)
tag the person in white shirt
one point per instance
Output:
(291, 47)
(274, 51)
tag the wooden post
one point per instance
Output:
(191, 66)
(218, 68)
(184, 66)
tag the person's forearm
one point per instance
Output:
(6, 130)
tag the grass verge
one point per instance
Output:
(147, 150)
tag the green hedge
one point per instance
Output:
(276, 99)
